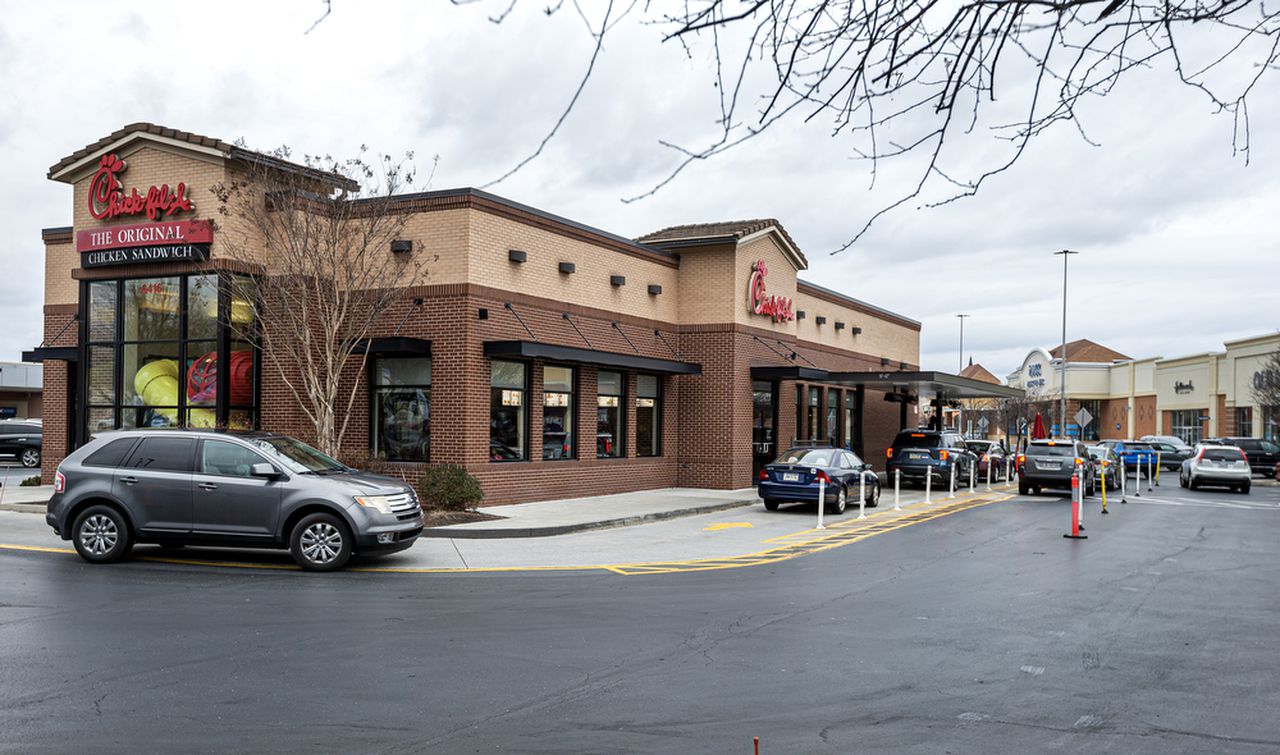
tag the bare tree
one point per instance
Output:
(1266, 391)
(904, 78)
(320, 233)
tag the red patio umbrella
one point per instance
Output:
(1037, 428)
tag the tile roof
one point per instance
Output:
(978, 372)
(140, 127)
(728, 229)
(1085, 350)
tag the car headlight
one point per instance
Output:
(376, 502)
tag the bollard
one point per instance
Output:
(972, 472)
(1104, 487)
(897, 489)
(1077, 491)
(822, 500)
(862, 494)
(1157, 469)
(1075, 511)
(1149, 488)
(1008, 472)
(990, 463)
(1123, 482)
(952, 483)
(928, 485)
(1137, 478)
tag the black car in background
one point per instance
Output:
(22, 441)
(931, 452)
(990, 453)
(1263, 454)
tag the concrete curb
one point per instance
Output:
(24, 508)
(476, 533)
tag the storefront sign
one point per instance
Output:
(124, 236)
(107, 198)
(139, 254)
(1181, 387)
(758, 302)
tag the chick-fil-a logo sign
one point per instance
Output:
(760, 303)
(107, 198)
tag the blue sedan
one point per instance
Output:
(795, 475)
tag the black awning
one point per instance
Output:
(552, 352)
(789, 372)
(394, 346)
(942, 385)
(52, 354)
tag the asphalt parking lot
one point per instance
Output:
(981, 630)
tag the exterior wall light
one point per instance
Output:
(401, 246)
(820, 320)
(517, 256)
(884, 361)
(654, 289)
(857, 331)
(799, 314)
(568, 268)
(839, 325)
(617, 280)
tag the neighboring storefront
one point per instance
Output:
(20, 390)
(548, 358)
(1194, 397)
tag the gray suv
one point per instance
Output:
(1052, 464)
(205, 487)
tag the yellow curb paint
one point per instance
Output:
(727, 526)
(841, 534)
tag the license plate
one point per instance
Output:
(915, 457)
(791, 477)
(1049, 464)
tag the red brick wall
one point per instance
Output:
(59, 330)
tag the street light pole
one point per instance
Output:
(960, 417)
(1062, 380)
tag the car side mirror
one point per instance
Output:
(264, 470)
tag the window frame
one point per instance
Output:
(525, 392)
(375, 415)
(658, 424)
(571, 412)
(620, 435)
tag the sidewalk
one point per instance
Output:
(547, 518)
(31, 500)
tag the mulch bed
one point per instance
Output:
(442, 518)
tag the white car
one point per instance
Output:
(1216, 465)
(1172, 440)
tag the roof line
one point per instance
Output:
(858, 302)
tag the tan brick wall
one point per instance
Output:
(59, 260)
(708, 286)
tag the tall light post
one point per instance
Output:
(1062, 380)
(960, 417)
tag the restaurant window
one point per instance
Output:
(609, 395)
(153, 349)
(508, 411)
(832, 425)
(401, 408)
(850, 418)
(811, 415)
(648, 415)
(557, 413)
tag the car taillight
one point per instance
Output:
(1021, 459)
(984, 457)
(943, 455)
(764, 475)
(59, 482)
(1079, 461)
(888, 453)
(822, 477)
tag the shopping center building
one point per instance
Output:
(549, 358)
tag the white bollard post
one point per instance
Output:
(862, 494)
(897, 490)
(1137, 478)
(1008, 472)
(928, 486)
(990, 463)
(822, 500)
(973, 471)
(1123, 482)
(952, 483)
(1149, 477)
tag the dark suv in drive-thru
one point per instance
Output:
(930, 452)
(1052, 464)
(1263, 455)
(205, 487)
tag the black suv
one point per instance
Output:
(918, 453)
(21, 441)
(1263, 454)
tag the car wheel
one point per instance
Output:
(770, 504)
(875, 496)
(1023, 488)
(1245, 488)
(102, 535)
(30, 458)
(320, 542)
(1192, 484)
(842, 502)
(1182, 481)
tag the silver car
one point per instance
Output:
(1217, 465)
(205, 487)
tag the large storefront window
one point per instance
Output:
(401, 408)
(648, 415)
(832, 425)
(557, 413)
(166, 352)
(1244, 421)
(811, 415)
(1090, 431)
(763, 410)
(609, 395)
(1186, 425)
(850, 418)
(508, 411)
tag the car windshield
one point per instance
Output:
(1047, 450)
(1099, 451)
(812, 457)
(296, 456)
(916, 440)
(1223, 454)
(981, 446)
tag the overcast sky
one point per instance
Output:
(1178, 236)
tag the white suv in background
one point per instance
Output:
(1216, 465)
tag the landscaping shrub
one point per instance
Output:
(448, 487)
(30, 482)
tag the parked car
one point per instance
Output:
(21, 440)
(1262, 454)
(207, 487)
(1217, 465)
(1135, 455)
(1052, 464)
(794, 478)
(1107, 465)
(1170, 455)
(1172, 440)
(921, 453)
(1278, 471)
(990, 453)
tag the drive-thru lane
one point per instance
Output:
(982, 631)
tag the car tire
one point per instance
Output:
(1245, 488)
(842, 502)
(30, 458)
(770, 504)
(101, 535)
(874, 501)
(320, 542)
(1024, 488)
(1192, 484)
(1182, 481)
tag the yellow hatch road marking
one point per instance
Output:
(840, 534)
(727, 526)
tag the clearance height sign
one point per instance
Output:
(180, 241)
